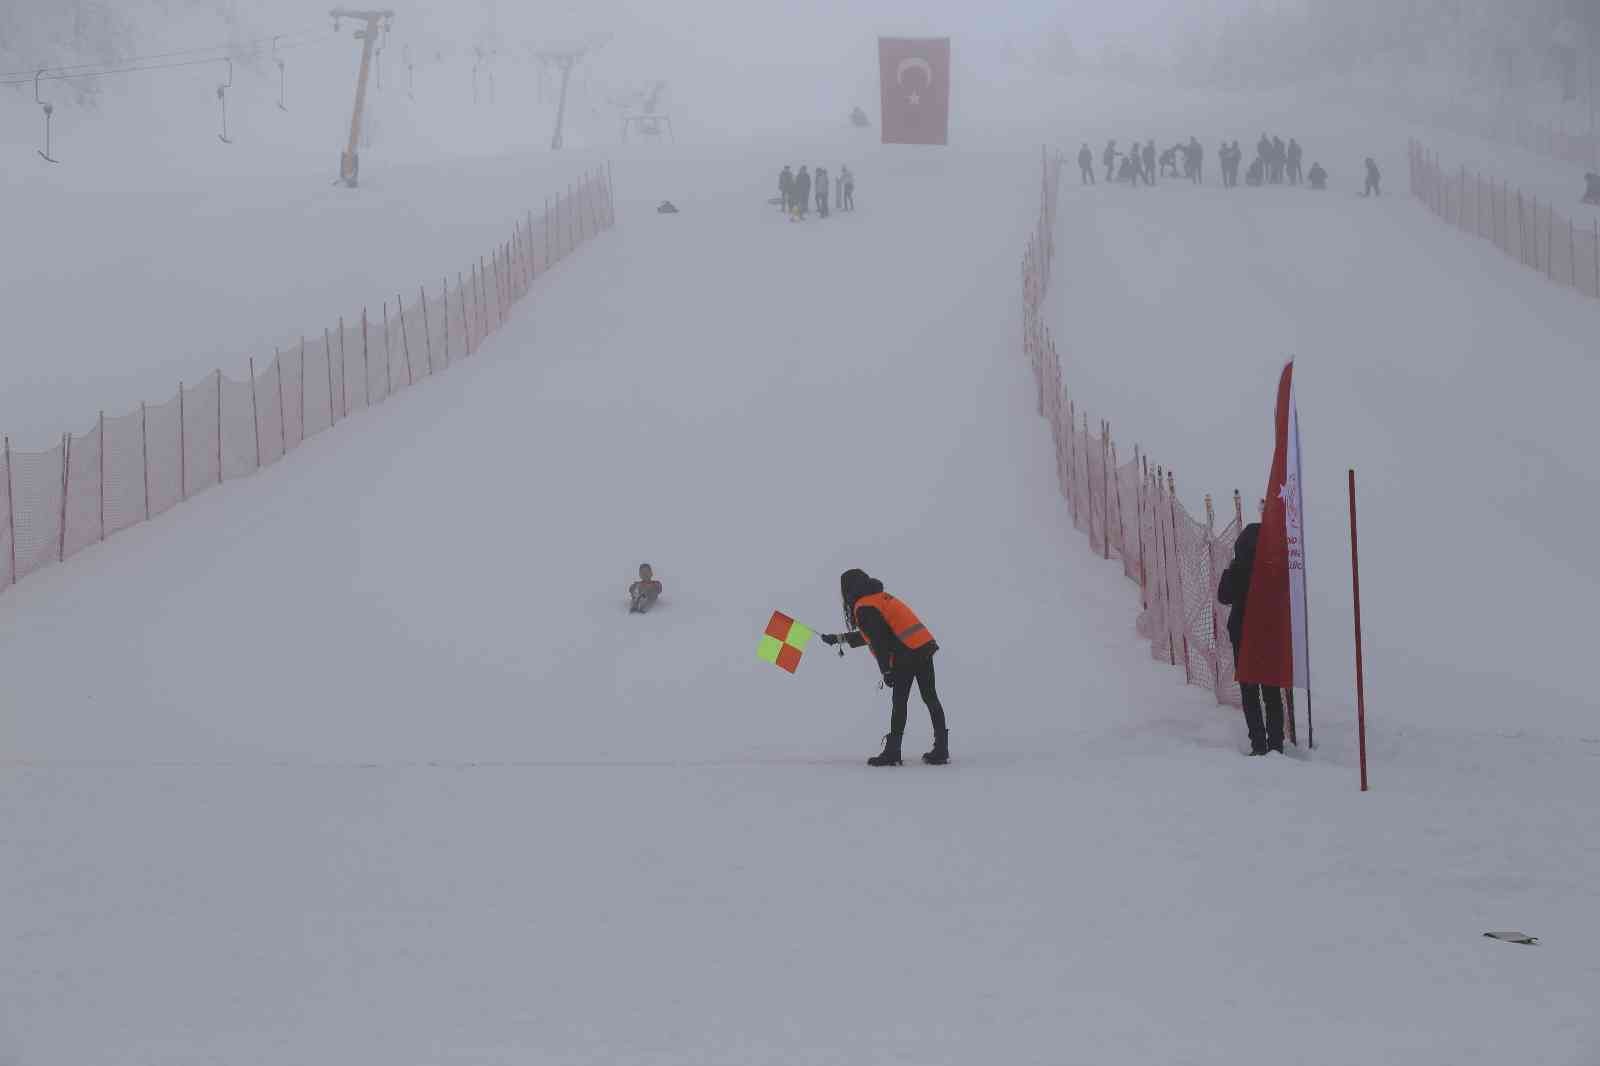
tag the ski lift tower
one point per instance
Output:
(562, 59)
(372, 23)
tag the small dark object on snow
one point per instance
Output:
(666, 208)
(1591, 192)
(643, 594)
(1513, 938)
(1318, 176)
(858, 118)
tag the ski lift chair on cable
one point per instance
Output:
(222, 101)
(49, 109)
(283, 78)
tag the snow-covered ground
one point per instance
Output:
(363, 760)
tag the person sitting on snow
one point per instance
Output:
(642, 594)
(1317, 176)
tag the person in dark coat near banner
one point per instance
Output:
(1234, 591)
(802, 192)
(1374, 179)
(904, 648)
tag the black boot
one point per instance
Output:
(941, 749)
(891, 752)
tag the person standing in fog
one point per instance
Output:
(1266, 732)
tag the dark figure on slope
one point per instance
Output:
(847, 183)
(1234, 590)
(904, 649)
(802, 192)
(1150, 162)
(786, 189)
(822, 192)
(1254, 175)
(1109, 157)
(1128, 171)
(1085, 165)
(1195, 161)
(1318, 177)
(1280, 160)
(1373, 179)
(643, 594)
(1295, 155)
(1169, 162)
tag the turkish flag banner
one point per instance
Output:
(915, 76)
(1274, 649)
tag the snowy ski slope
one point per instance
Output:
(363, 759)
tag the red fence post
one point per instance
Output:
(405, 339)
(183, 448)
(219, 425)
(1361, 681)
(102, 476)
(66, 476)
(283, 417)
(427, 330)
(255, 409)
(327, 355)
(344, 365)
(11, 513)
(366, 358)
(144, 455)
(1177, 558)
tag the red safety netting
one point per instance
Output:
(1534, 234)
(131, 467)
(1129, 510)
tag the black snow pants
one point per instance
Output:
(1265, 735)
(918, 668)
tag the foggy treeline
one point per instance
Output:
(1488, 46)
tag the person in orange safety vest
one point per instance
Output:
(904, 648)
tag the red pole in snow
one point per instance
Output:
(66, 475)
(255, 410)
(102, 475)
(219, 425)
(183, 448)
(427, 330)
(144, 455)
(405, 339)
(327, 361)
(11, 513)
(283, 429)
(1361, 682)
(366, 357)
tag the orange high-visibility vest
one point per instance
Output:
(903, 621)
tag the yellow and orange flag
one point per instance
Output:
(784, 642)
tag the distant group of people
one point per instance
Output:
(1140, 162)
(1276, 163)
(797, 190)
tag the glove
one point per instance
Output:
(829, 639)
(888, 681)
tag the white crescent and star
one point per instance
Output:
(914, 63)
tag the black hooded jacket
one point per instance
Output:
(875, 632)
(1234, 588)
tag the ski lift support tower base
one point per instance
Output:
(350, 163)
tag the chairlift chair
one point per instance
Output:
(222, 101)
(283, 78)
(49, 109)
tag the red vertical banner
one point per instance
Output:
(1275, 648)
(914, 74)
